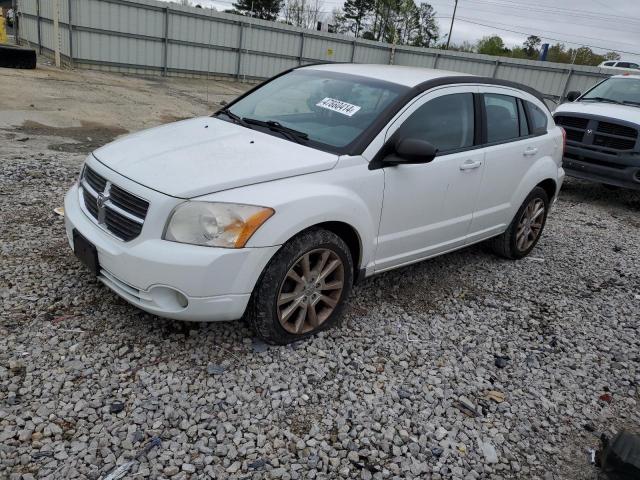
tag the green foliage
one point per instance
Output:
(532, 46)
(264, 9)
(492, 45)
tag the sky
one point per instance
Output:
(602, 24)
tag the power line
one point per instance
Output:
(548, 31)
(554, 19)
(550, 38)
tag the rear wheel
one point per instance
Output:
(526, 228)
(303, 289)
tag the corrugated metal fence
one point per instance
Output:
(147, 36)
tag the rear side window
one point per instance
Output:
(538, 119)
(502, 117)
(627, 65)
(447, 122)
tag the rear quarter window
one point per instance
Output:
(537, 118)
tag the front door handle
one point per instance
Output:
(529, 152)
(470, 165)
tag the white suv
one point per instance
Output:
(323, 175)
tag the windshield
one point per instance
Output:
(618, 90)
(326, 110)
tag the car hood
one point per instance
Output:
(205, 155)
(627, 113)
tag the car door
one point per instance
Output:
(511, 148)
(427, 208)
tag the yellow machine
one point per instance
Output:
(3, 31)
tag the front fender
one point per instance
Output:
(350, 194)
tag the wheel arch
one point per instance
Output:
(346, 232)
(549, 186)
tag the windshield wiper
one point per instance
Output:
(295, 135)
(631, 102)
(233, 116)
(603, 99)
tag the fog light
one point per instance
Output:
(169, 298)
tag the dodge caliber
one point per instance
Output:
(273, 207)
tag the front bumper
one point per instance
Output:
(168, 279)
(620, 170)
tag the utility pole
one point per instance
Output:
(451, 28)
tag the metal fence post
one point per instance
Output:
(566, 85)
(238, 64)
(301, 53)
(166, 42)
(435, 61)
(353, 50)
(70, 26)
(495, 69)
(39, 29)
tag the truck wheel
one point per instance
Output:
(303, 289)
(525, 229)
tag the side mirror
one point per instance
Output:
(573, 96)
(411, 150)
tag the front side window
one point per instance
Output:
(627, 65)
(331, 109)
(609, 64)
(502, 117)
(447, 122)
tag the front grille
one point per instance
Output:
(97, 182)
(572, 122)
(606, 137)
(128, 202)
(619, 130)
(121, 226)
(614, 143)
(574, 135)
(121, 212)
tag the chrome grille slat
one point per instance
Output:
(123, 215)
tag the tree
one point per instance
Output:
(428, 31)
(302, 13)
(532, 46)
(493, 45)
(611, 56)
(264, 9)
(356, 13)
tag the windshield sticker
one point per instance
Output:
(338, 106)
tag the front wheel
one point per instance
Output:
(303, 288)
(526, 228)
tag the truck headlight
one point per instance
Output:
(226, 225)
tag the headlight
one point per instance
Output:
(227, 225)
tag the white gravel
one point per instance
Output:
(383, 396)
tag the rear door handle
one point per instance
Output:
(470, 165)
(530, 151)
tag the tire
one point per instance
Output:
(507, 245)
(274, 321)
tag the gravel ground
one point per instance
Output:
(399, 390)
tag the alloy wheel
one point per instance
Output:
(530, 224)
(310, 291)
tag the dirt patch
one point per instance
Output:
(172, 118)
(87, 137)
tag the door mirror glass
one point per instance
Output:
(573, 96)
(412, 150)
